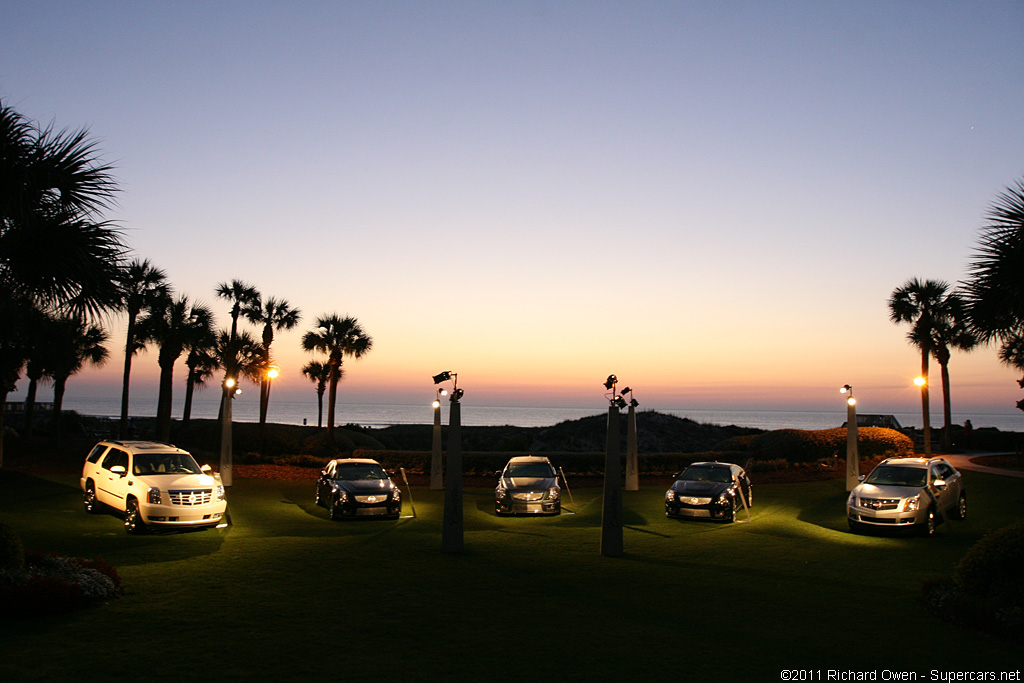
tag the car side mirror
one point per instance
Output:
(939, 483)
(497, 473)
(860, 477)
(119, 469)
(206, 468)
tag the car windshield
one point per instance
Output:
(704, 473)
(888, 475)
(164, 463)
(354, 471)
(532, 470)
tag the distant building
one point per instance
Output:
(889, 421)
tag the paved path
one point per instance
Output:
(963, 462)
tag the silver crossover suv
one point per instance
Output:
(528, 485)
(907, 493)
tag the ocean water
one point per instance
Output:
(246, 409)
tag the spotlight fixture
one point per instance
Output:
(619, 402)
(633, 402)
(846, 388)
(625, 391)
(610, 382)
(436, 404)
(442, 392)
(442, 377)
(456, 395)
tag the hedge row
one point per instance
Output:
(799, 445)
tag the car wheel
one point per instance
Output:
(855, 527)
(960, 512)
(133, 522)
(92, 505)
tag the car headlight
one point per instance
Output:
(554, 492)
(911, 504)
(723, 498)
(851, 501)
(500, 492)
(220, 492)
(670, 496)
(396, 494)
(342, 496)
(153, 496)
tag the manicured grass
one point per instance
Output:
(286, 594)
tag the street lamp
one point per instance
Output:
(632, 452)
(922, 381)
(231, 389)
(611, 510)
(451, 527)
(852, 457)
(436, 466)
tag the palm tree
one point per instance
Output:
(141, 284)
(950, 331)
(78, 343)
(54, 254)
(241, 295)
(52, 189)
(319, 373)
(272, 315)
(919, 303)
(172, 324)
(995, 288)
(201, 363)
(337, 337)
(45, 331)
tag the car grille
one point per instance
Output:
(687, 500)
(191, 497)
(880, 503)
(529, 495)
(377, 498)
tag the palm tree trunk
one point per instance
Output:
(163, 406)
(129, 351)
(190, 386)
(320, 406)
(30, 405)
(947, 410)
(331, 400)
(925, 408)
(3, 410)
(58, 403)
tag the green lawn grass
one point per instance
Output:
(285, 593)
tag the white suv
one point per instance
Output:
(909, 493)
(152, 484)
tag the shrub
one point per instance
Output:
(984, 591)
(800, 445)
(51, 584)
(12, 554)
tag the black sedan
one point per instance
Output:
(711, 490)
(356, 487)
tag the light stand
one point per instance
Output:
(852, 457)
(632, 453)
(230, 389)
(451, 525)
(611, 510)
(436, 466)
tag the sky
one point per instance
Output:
(712, 200)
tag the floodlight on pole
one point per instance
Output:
(611, 509)
(451, 526)
(852, 456)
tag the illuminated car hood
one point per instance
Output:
(529, 483)
(167, 482)
(700, 488)
(365, 485)
(886, 491)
